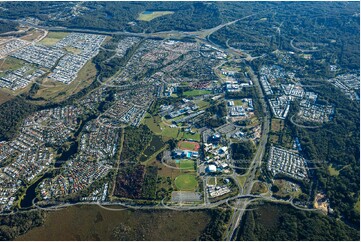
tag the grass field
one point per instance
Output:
(156, 125)
(57, 91)
(150, 16)
(238, 102)
(165, 171)
(285, 189)
(254, 120)
(153, 123)
(212, 181)
(186, 145)
(259, 188)
(273, 139)
(189, 136)
(73, 50)
(186, 182)
(5, 97)
(9, 64)
(277, 125)
(241, 180)
(186, 165)
(196, 93)
(53, 37)
(202, 104)
(168, 132)
(333, 171)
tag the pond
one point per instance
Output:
(30, 194)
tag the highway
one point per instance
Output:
(244, 199)
(255, 164)
(203, 36)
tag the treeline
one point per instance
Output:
(39, 10)
(282, 222)
(17, 224)
(338, 143)
(242, 153)
(12, 114)
(137, 182)
(216, 228)
(116, 16)
(7, 26)
(129, 181)
(149, 187)
(243, 150)
(215, 116)
(135, 141)
(106, 64)
(338, 22)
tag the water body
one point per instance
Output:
(67, 154)
(30, 194)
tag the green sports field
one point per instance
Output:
(186, 165)
(186, 182)
(196, 93)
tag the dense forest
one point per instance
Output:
(277, 26)
(336, 143)
(107, 62)
(215, 229)
(214, 116)
(12, 113)
(6, 26)
(40, 10)
(135, 141)
(282, 222)
(243, 150)
(242, 153)
(129, 181)
(115, 16)
(17, 224)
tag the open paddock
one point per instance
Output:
(57, 91)
(53, 37)
(150, 15)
